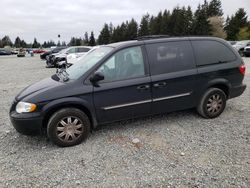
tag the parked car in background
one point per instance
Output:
(232, 42)
(240, 45)
(14, 51)
(128, 80)
(4, 51)
(21, 53)
(74, 57)
(52, 51)
(53, 59)
(38, 51)
(246, 51)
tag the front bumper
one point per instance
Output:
(237, 91)
(28, 124)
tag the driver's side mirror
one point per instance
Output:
(98, 76)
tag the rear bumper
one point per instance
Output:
(237, 91)
(26, 124)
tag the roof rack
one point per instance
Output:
(148, 37)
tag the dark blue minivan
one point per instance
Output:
(128, 80)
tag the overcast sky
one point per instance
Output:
(45, 19)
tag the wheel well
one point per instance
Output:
(223, 87)
(53, 110)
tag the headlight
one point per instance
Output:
(25, 107)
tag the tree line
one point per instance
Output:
(207, 20)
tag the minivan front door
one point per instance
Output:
(173, 74)
(125, 91)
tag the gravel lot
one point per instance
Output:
(176, 150)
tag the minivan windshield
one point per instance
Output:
(87, 61)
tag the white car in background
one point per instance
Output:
(68, 54)
(72, 58)
(240, 45)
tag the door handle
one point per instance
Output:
(160, 84)
(143, 87)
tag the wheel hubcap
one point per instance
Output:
(214, 104)
(69, 129)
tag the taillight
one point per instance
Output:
(242, 69)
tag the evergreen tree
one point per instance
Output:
(165, 24)
(104, 37)
(72, 41)
(233, 24)
(155, 24)
(144, 26)
(35, 44)
(116, 36)
(132, 30)
(17, 43)
(78, 42)
(188, 16)
(214, 8)
(86, 38)
(23, 44)
(92, 39)
(45, 45)
(122, 32)
(111, 29)
(201, 24)
(6, 41)
(64, 43)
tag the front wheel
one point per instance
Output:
(212, 103)
(68, 127)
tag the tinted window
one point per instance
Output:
(83, 49)
(170, 57)
(210, 52)
(125, 64)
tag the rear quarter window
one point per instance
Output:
(212, 52)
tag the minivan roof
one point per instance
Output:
(161, 39)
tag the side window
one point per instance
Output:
(170, 57)
(211, 52)
(72, 50)
(125, 64)
(83, 49)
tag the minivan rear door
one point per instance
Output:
(173, 72)
(125, 91)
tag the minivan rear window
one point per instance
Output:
(170, 57)
(211, 52)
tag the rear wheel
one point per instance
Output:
(68, 127)
(212, 103)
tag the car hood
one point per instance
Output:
(38, 88)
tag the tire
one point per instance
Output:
(68, 127)
(212, 103)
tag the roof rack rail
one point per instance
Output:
(148, 37)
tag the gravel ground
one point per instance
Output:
(179, 149)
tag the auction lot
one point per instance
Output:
(179, 149)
